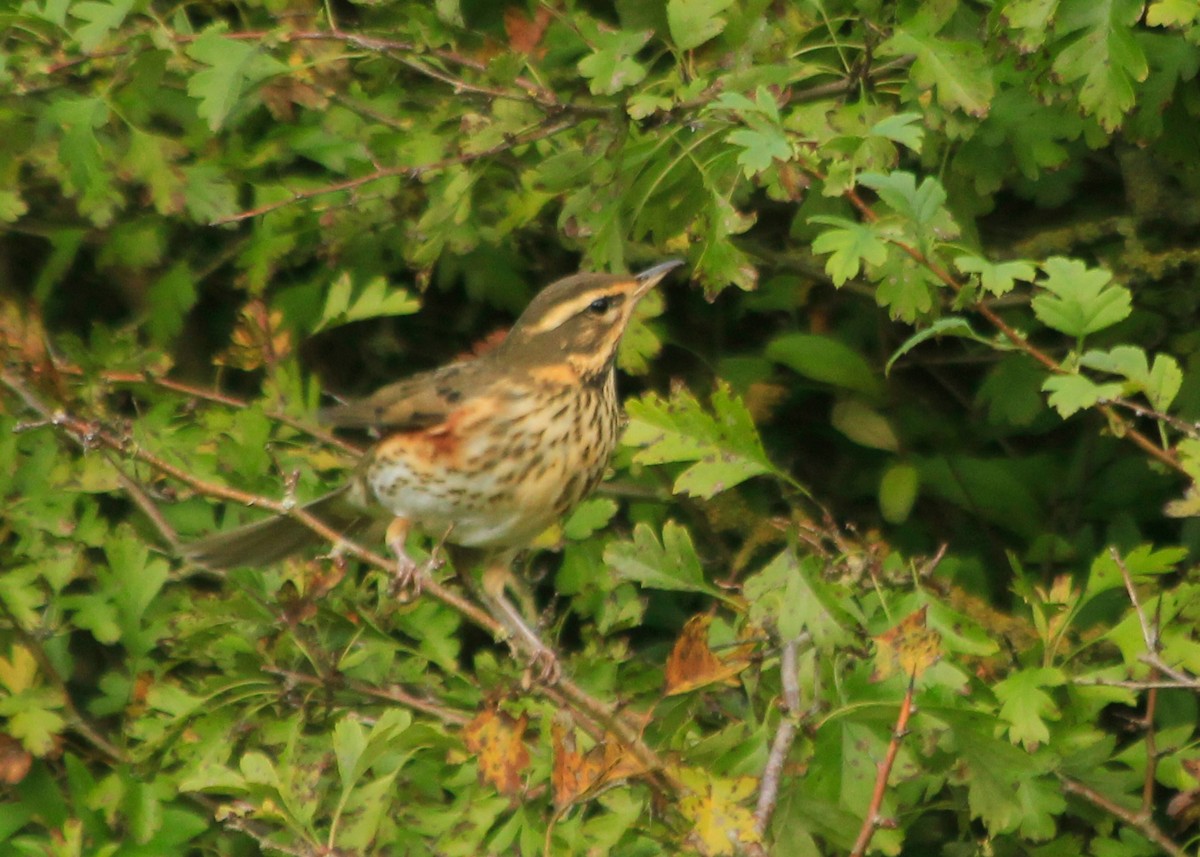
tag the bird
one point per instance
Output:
(487, 452)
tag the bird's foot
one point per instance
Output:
(408, 579)
(544, 666)
(408, 576)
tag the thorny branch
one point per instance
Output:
(873, 821)
(1164, 456)
(539, 133)
(1153, 645)
(781, 745)
(90, 435)
(1143, 824)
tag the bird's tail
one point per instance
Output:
(273, 539)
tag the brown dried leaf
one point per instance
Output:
(909, 648)
(258, 339)
(525, 33)
(15, 760)
(498, 741)
(693, 664)
(576, 774)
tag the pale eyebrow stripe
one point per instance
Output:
(557, 315)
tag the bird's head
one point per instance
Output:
(578, 321)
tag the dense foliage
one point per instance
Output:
(898, 552)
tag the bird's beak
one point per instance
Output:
(650, 277)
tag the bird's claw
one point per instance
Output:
(545, 667)
(407, 580)
(409, 576)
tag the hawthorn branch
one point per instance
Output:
(540, 133)
(394, 694)
(1153, 642)
(1121, 425)
(872, 821)
(75, 718)
(785, 736)
(90, 435)
(1142, 824)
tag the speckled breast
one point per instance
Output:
(504, 466)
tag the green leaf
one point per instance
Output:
(905, 287)
(151, 159)
(1103, 54)
(903, 128)
(790, 595)
(694, 22)
(89, 177)
(588, 517)
(825, 359)
(671, 564)
(1160, 382)
(611, 66)
(32, 717)
(724, 446)
(12, 206)
(850, 244)
(1172, 13)
(1031, 20)
(1026, 706)
(1005, 787)
(376, 299)
(1077, 300)
(760, 148)
(958, 71)
(170, 297)
(1012, 391)
(864, 425)
(208, 193)
(924, 205)
(640, 344)
(898, 492)
(998, 278)
(233, 65)
(952, 325)
(989, 488)
(102, 19)
(1071, 393)
(1141, 562)
(96, 614)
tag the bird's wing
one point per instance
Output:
(415, 403)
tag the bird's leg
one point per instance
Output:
(543, 660)
(406, 579)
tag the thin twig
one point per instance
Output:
(1156, 663)
(785, 736)
(220, 398)
(408, 172)
(1153, 641)
(75, 719)
(1151, 752)
(872, 821)
(392, 694)
(140, 497)
(1168, 684)
(1149, 635)
(1122, 426)
(1144, 825)
(90, 435)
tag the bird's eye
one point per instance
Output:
(599, 306)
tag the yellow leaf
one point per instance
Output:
(720, 824)
(910, 648)
(17, 673)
